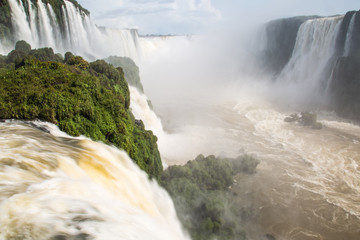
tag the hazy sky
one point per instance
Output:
(191, 16)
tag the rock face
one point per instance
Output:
(345, 79)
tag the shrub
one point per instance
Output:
(15, 56)
(67, 56)
(44, 54)
(131, 71)
(78, 62)
(201, 197)
(23, 46)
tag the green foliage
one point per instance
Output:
(202, 200)
(15, 56)
(102, 67)
(67, 56)
(131, 71)
(45, 54)
(78, 62)
(80, 101)
(23, 46)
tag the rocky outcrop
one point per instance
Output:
(306, 119)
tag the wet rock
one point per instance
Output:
(304, 119)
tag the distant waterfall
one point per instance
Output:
(53, 186)
(349, 35)
(309, 64)
(76, 33)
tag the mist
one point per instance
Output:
(227, 92)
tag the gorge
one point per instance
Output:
(209, 96)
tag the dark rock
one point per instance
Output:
(345, 78)
(305, 119)
(292, 118)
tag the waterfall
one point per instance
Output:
(53, 186)
(139, 105)
(349, 36)
(76, 33)
(310, 63)
(22, 30)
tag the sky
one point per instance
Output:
(193, 16)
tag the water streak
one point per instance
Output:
(80, 35)
(349, 35)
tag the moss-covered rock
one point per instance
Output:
(131, 70)
(81, 101)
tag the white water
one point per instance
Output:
(54, 185)
(81, 36)
(349, 34)
(305, 75)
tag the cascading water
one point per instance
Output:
(349, 36)
(80, 35)
(53, 186)
(309, 67)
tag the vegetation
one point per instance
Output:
(82, 98)
(202, 200)
(131, 71)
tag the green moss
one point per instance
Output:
(80, 101)
(202, 200)
(131, 71)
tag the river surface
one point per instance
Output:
(307, 185)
